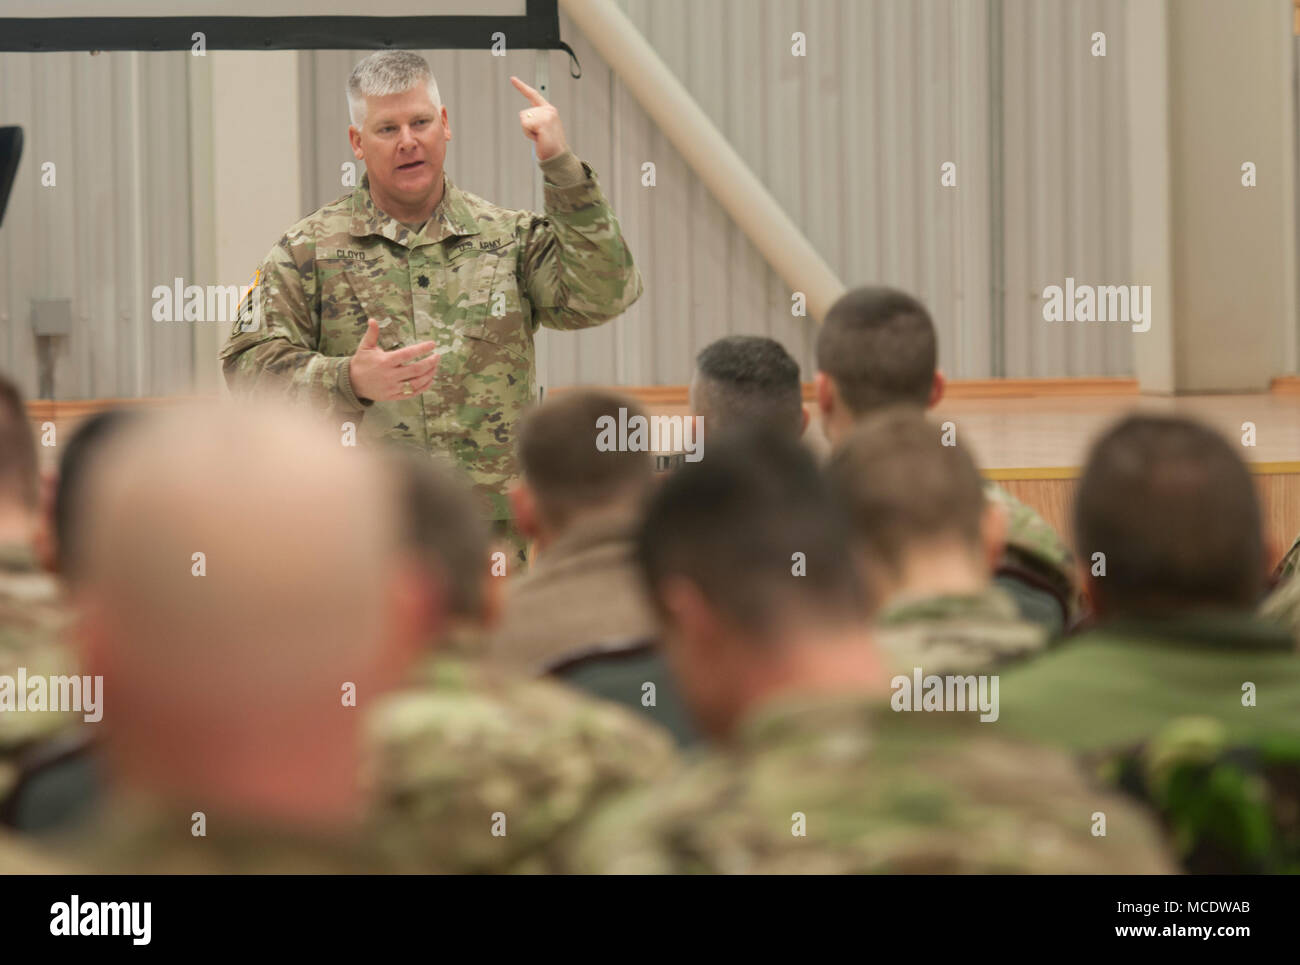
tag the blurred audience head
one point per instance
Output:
(19, 480)
(69, 491)
(749, 567)
(567, 477)
(1173, 509)
(876, 347)
(917, 507)
(748, 380)
(240, 574)
(445, 529)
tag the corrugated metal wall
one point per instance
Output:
(115, 224)
(1065, 150)
(849, 139)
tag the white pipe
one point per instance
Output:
(709, 154)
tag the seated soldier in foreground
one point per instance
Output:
(474, 767)
(1166, 514)
(877, 347)
(241, 592)
(581, 505)
(927, 540)
(813, 772)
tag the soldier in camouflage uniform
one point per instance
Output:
(928, 538)
(33, 612)
(476, 769)
(364, 288)
(816, 773)
(472, 767)
(1174, 512)
(878, 347)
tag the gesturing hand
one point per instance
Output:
(383, 376)
(541, 123)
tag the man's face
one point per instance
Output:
(403, 141)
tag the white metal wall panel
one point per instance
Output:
(1066, 182)
(114, 225)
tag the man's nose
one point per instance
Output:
(407, 140)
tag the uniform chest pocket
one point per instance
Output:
(495, 313)
(352, 291)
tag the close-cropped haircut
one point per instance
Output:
(93, 434)
(562, 463)
(748, 380)
(19, 478)
(901, 487)
(1174, 509)
(732, 524)
(387, 72)
(879, 346)
(444, 525)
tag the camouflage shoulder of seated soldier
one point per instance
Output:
(476, 769)
(826, 796)
(955, 633)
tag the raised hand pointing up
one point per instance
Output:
(541, 123)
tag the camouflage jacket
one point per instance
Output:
(1124, 681)
(1032, 543)
(1230, 808)
(134, 833)
(957, 634)
(477, 770)
(477, 280)
(33, 617)
(845, 786)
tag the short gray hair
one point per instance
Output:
(387, 72)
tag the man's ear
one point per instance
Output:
(523, 504)
(825, 391)
(936, 389)
(354, 138)
(416, 607)
(446, 125)
(993, 533)
(690, 614)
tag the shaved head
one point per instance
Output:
(241, 652)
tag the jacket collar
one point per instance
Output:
(452, 218)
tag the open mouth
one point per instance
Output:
(410, 166)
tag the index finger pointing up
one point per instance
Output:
(537, 99)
